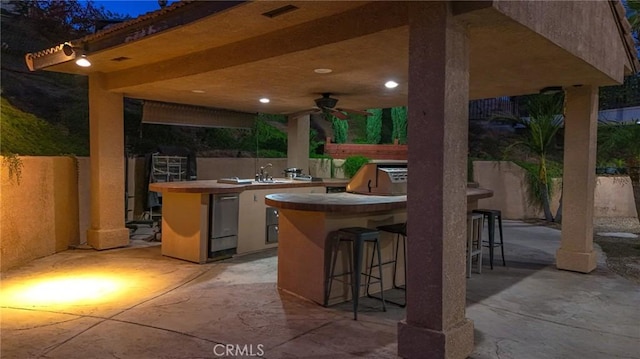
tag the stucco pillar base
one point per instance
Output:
(418, 342)
(107, 238)
(583, 262)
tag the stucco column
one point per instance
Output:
(106, 124)
(581, 129)
(298, 142)
(435, 324)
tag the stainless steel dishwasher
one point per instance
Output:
(223, 224)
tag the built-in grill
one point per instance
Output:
(383, 178)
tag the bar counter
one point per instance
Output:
(307, 222)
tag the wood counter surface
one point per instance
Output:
(350, 202)
(212, 186)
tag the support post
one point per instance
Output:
(581, 131)
(435, 324)
(298, 142)
(106, 124)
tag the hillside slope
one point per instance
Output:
(24, 134)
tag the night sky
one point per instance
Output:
(133, 8)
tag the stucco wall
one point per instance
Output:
(84, 197)
(507, 180)
(613, 195)
(39, 215)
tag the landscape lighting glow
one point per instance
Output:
(66, 290)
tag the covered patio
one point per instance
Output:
(157, 307)
(228, 55)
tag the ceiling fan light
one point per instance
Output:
(83, 61)
(390, 84)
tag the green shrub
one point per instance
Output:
(265, 136)
(352, 165)
(618, 141)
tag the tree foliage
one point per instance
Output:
(618, 140)
(374, 126)
(546, 117)
(62, 20)
(340, 130)
(399, 118)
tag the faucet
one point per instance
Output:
(264, 175)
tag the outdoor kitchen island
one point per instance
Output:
(307, 222)
(208, 220)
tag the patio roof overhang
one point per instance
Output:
(232, 54)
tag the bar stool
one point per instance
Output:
(400, 230)
(474, 240)
(357, 236)
(492, 215)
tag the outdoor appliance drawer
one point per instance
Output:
(223, 224)
(271, 234)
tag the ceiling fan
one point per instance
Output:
(327, 105)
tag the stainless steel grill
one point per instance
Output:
(385, 178)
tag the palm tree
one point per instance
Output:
(540, 129)
(633, 14)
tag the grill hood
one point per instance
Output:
(382, 178)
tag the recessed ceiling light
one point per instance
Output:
(390, 84)
(197, 91)
(265, 100)
(322, 71)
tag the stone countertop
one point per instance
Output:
(350, 202)
(335, 202)
(212, 186)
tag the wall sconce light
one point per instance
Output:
(81, 57)
(551, 90)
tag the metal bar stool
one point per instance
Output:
(474, 240)
(399, 229)
(357, 236)
(492, 215)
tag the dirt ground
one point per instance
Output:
(623, 254)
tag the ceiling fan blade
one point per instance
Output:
(303, 113)
(357, 112)
(338, 114)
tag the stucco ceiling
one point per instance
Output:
(238, 55)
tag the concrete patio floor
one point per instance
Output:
(139, 304)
